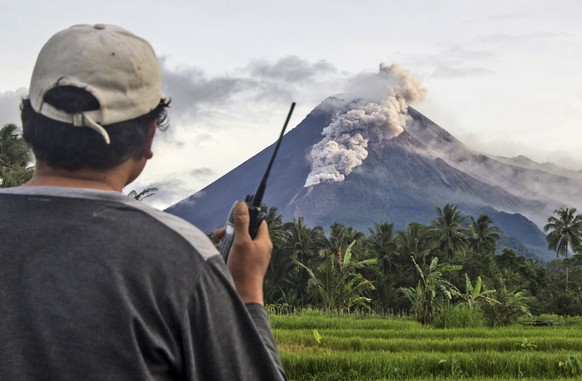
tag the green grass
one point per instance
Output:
(374, 348)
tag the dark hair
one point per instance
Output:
(62, 145)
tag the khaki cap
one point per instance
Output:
(119, 68)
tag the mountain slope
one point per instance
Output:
(553, 187)
(402, 179)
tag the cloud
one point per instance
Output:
(191, 89)
(205, 107)
(290, 69)
(174, 186)
(511, 16)
(9, 106)
(446, 71)
(193, 92)
(460, 61)
(203, 139)
(210, 112)
(202, 173)
(504, 38)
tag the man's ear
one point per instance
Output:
(151, 132)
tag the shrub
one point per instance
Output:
(511, 307)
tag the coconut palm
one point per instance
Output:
(302, 245)
(565, 233)
(340, 236)
(274, 220)
(279, 278)
(447, 231)
(483, 236)
(415, 242)
(381, 243)
(147, 192)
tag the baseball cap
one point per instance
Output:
(117, 67)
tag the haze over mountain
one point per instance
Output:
(364, 157)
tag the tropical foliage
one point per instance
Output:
(15, 158)
(432, 290)
(336, 283)
(143, 194)
(565, 231)
(565, 234)
(450, 270)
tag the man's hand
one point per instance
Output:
(249, 259)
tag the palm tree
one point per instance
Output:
(279, 278)
(483, 236)
(340, 237)
(302, 245)
(147, 192)
(565, 232)
(14, 176)
(447, 231)
(381, 242)
(303, 242)
(277, 230)
(415, 242)
(15, 158)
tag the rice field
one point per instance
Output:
(319, 347)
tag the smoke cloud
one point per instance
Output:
(376, 117)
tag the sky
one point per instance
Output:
(504, 77)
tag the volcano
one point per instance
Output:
(402, 180)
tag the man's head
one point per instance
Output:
(94, 92)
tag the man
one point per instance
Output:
(95, 285)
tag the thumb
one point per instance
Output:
(241, 219)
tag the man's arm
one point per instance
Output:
(234, 339)
(228, 340)
(248, 262)
(261, 320)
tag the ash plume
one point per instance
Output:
(375, 118)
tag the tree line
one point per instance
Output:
(451, 268)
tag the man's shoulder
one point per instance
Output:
(181, 227)
(125, 209)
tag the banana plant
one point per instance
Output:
(476, 293)
(337, 284)
(431, 291)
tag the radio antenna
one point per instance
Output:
(258, 196)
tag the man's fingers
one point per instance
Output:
(242, 221)
(263, 230)
(218, 233)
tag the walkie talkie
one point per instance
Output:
(253, 201)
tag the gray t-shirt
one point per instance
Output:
(97, 286)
